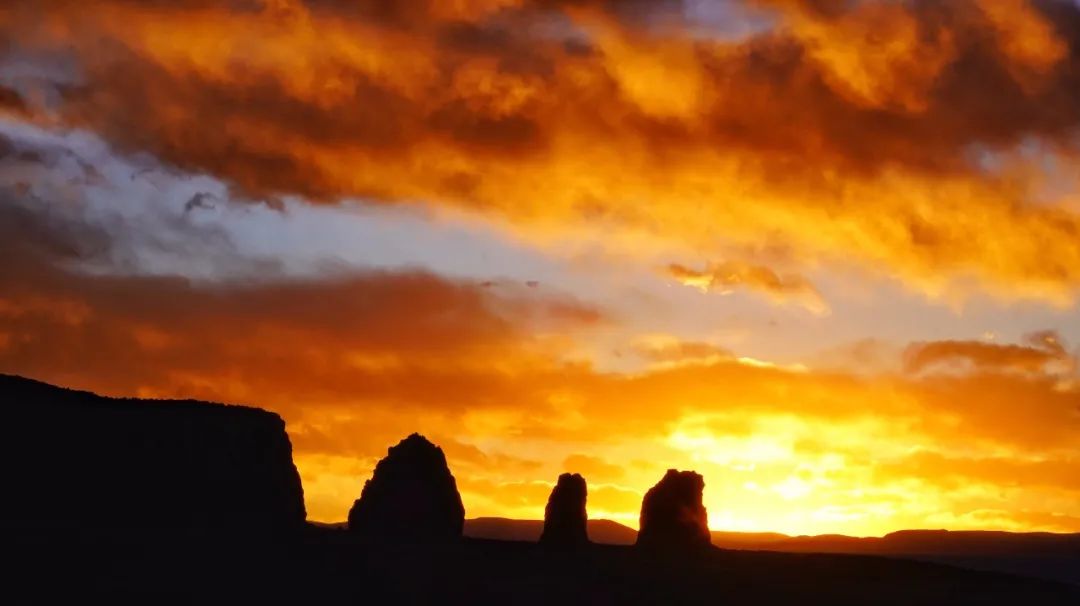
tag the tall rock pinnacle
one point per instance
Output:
(672, 515)
(564, 516)
(412, 496)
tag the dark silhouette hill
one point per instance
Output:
(673, 517)
(1037, 554)
(74, 459)
(606, 532)
(944, 542)
(411, 496)
(565, 517)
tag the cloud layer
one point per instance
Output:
(897, 136)
(727, 276)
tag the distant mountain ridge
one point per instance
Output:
(1037, 554)
(951, 542)
(505, 529)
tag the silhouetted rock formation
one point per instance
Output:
(411, 496)
(74, 459)
(565, 517)
(672, 515)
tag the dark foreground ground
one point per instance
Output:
(326, 566)
(1042, 555)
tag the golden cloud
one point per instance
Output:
(727, 276)
(1045, 352)
(594, 468)
(882, 134)
(665, 349)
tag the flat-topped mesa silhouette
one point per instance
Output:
(73, 459)
(565, 517)
(673, 517)
(411, 496)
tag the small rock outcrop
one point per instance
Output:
(564, 517)
(73, 459)
(412, 496)
(673, 517)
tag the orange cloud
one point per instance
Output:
(231, 341)
(729, 275)
(12, 104)
(594, 468)
(1045, 352)
(855, 133)
(664, 349)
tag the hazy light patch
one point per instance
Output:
(766, 364)
(329, 481)
(723, 450)
(793, 488)
(726, 20)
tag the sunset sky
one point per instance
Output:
(824, 252)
